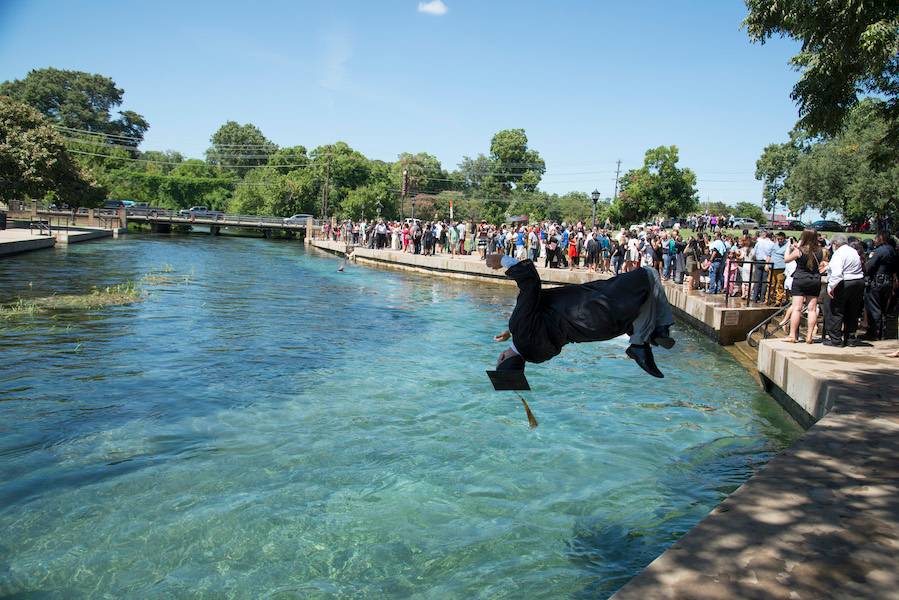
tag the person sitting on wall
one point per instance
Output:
(544, 320)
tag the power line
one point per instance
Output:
(160, 162)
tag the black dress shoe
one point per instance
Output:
(829, 342)
(643, 355)
(661, 336)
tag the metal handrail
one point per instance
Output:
(763, 326)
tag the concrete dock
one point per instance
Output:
(15, 241)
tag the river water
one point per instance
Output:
(262, 426)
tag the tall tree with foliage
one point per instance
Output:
(849, 48)
(79, 100)
(512, 164)
(773, 168)
(34, 161)
(239, 148)
(839, 175)
(423, 170)
(659, 187)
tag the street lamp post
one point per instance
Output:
(595, 197)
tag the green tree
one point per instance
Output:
(659, 187)
(842, 175)
(512, 163)
(79, 100)
(848, 48)
(773, 168)
(423, 170)
(748, 209)
(34, 160)
(340, 168)
(239, 148)
(364, 202)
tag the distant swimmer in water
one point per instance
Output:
(545, 320)
(342, 265)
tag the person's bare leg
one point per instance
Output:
(795, 317)
(812, 320)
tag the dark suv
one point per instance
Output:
(825, 225)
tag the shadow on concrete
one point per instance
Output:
(820, 521)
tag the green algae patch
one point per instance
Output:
(114, 295)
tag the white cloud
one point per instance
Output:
(338, 51)
(434, 7)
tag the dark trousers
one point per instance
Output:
(760, 283)
(877, 297)
(844, 310)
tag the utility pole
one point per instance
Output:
(406, 191)
(617, 170)
(325, 188)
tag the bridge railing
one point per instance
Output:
(167, 214)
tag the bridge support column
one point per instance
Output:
(160, 227)
(267, 234)
(214, 230)
(310, 231)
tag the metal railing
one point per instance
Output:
(43, 227)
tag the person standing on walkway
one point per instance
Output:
(718, 251)
(881, 267)
(806, 284)
(461, 228)
(776, 274)
(846, 289)
(762, 252)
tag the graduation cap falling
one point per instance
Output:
(513, 381)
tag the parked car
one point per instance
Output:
(787, 225)
(669, 223)
(745, 223)
(298, 219)
(200, 211)
(825, 225)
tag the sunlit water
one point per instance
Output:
(261, 426)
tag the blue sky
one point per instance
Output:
(591, 82)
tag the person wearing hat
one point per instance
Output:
(543, 321)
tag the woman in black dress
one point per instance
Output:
(806, 282)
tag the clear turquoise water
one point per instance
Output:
(262, 426)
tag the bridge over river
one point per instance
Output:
(160, 220)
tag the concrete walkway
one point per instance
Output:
(821, 520)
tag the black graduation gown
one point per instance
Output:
(545, 320)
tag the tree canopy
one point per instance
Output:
(34, 161)
(659, 187)
(239, 148)
(848, 49)
(79, 100)
(842, 174)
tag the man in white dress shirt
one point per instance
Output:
(846, 288)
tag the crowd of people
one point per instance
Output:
(758, 267)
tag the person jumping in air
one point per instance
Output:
(545, 320)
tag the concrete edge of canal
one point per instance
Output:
(819, 520)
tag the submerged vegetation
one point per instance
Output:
(121, 294)
(114, 295)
